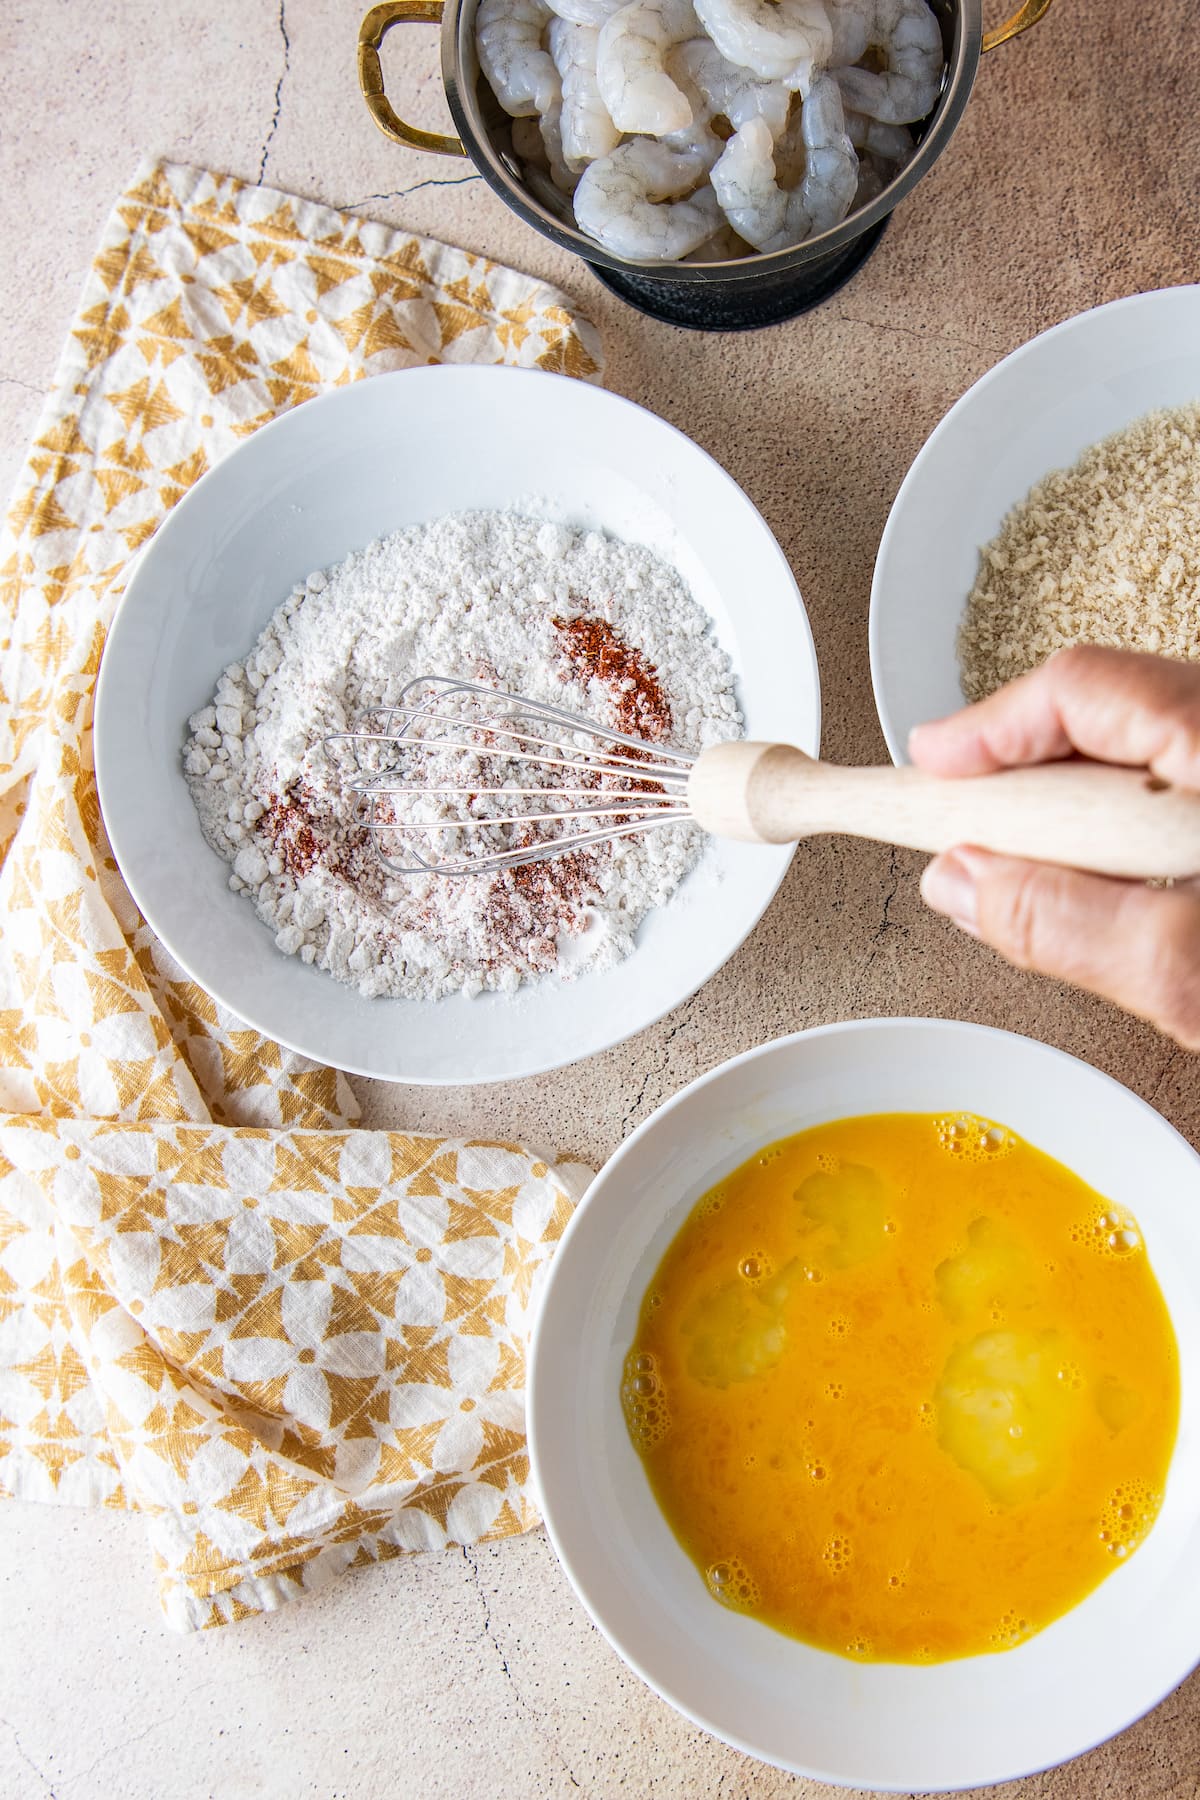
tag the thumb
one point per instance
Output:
(1136, 945)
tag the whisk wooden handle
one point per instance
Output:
(1084, 814)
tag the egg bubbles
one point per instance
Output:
(904, 1387)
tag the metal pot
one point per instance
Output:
(722, 296)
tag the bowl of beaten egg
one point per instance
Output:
(865, 1404)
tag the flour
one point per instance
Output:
(512, 601)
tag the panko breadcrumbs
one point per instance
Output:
(1105, 552)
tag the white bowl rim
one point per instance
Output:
(556, 1054)
(592, 1600)
(898, 749)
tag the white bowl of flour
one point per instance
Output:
(498, 515)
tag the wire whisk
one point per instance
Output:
(458, 778)
(485, 781)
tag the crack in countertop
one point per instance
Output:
(522, 1702)
(25, 1757)
(402, 193)
(287, 63)
(917, 331)
(16, 381)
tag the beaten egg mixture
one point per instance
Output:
(905, 1387)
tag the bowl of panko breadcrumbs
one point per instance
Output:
(1057, 503)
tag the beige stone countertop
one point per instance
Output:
(1071, 180)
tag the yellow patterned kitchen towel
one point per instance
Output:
(293, 1345)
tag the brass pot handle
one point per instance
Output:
(1022, 19)
(371, 33)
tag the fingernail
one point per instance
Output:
(948, 886)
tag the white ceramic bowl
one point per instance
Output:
(301, 494)
(884, 1726)
(1036, 411)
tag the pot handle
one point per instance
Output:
(1022, 19)
(371, 33)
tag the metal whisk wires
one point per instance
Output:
(481, 780)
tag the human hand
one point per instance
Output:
(1137, 945)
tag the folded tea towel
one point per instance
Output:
(293, 1345)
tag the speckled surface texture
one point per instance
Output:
(1070, 181)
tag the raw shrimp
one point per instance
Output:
(538, 142)
(907, 36)
(790, 153)
(769, 216)
(723, 246)
(643, 202)
(630, 65)
(751, 199)
(720, 89)
(870, 185)
(699, 141)
(587, 12)
(780, 40)
(527, 144)
(564, 177)
(883, 151)
(890, 146)
(537, 178)
(586, 129)
(831, 165)
(508, 34)
(852, 22)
